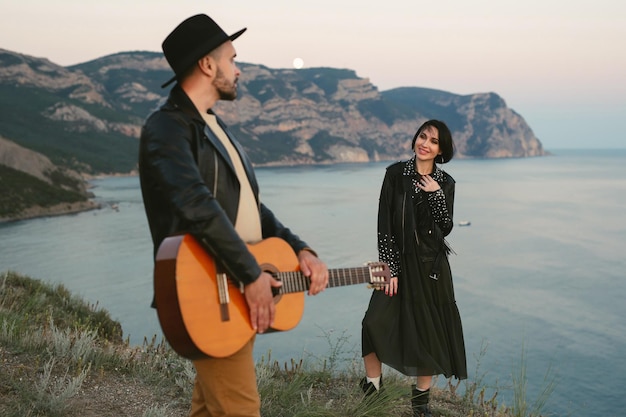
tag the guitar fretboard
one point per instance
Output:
(297, 282)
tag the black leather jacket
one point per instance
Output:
(189, 185)
(407, 219)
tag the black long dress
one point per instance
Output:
(418, 331)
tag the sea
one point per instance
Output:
(539, 272)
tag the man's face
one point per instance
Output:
(225, 81)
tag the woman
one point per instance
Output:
(414, 325)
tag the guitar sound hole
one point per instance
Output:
(275, 291)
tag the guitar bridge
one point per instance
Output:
(222, 288)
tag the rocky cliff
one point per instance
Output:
(86, 118)
(327, 115)
(283, 116)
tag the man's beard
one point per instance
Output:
(225, 89)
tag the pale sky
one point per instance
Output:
(561, 64)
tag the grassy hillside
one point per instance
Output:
(64, 357)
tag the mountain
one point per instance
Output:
(331, 115)
(64, 115)
(86, 118)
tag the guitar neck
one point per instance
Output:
(296, 281)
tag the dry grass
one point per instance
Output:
(63, 357)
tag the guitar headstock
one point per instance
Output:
(380, 275)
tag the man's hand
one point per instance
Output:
(313, 268)
(261, 301)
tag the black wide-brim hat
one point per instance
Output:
(191, 40)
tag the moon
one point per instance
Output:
(298, 63)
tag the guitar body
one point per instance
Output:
(194, 320)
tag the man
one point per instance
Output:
(196, 178)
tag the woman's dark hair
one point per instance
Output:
(446, 144)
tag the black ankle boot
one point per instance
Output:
(419, 402)
(369, 388)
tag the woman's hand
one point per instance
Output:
(392, 288)
(426, 183)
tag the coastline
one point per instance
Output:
(63, 209)
(60, 209)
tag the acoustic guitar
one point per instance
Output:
(204, 313)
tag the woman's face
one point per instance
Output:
(427, 144)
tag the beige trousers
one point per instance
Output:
(226, 387)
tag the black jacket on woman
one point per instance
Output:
(399, 227)
(189, 185)
(417, 331)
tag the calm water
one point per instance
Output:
(540, 270)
